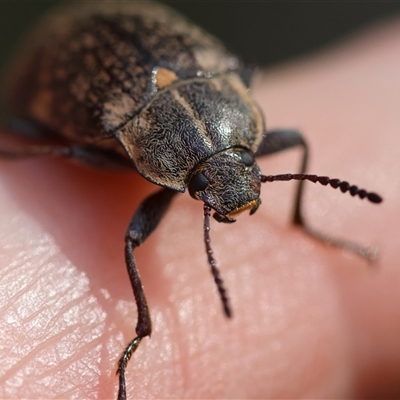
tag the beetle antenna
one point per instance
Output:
(213, 264)
(325, 180)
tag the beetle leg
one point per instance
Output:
(279, 140)
(144, 221)
(25, 127)
(284, 139)
(87, 155)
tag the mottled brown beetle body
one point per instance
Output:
(136, 85)
(140, 75)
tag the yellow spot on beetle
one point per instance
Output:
(164, 77)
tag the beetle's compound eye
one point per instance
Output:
(198, 183)
(247, 158)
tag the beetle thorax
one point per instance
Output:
(188, 122)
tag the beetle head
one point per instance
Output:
(229, 182)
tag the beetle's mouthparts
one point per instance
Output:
(229, 218)
(251, 205)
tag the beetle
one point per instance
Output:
(136, 85)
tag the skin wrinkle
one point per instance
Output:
(38, 345)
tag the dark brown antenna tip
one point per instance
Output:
(213, 264)
(325, 180)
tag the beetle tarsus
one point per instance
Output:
(123, 361)
(369, 253)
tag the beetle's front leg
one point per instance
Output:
(284, 139)
(144, 221)
(279, 140)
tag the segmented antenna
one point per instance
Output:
(213, 264)
(325, 180)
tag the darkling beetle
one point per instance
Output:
(135, 85)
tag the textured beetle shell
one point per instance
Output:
(89, 74)
(188, 123)
(87, 68)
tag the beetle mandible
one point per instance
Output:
(135, 85)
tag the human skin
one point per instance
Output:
(309, 320)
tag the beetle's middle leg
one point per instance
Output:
(284, 139)
(88, 155)
(144, 221)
